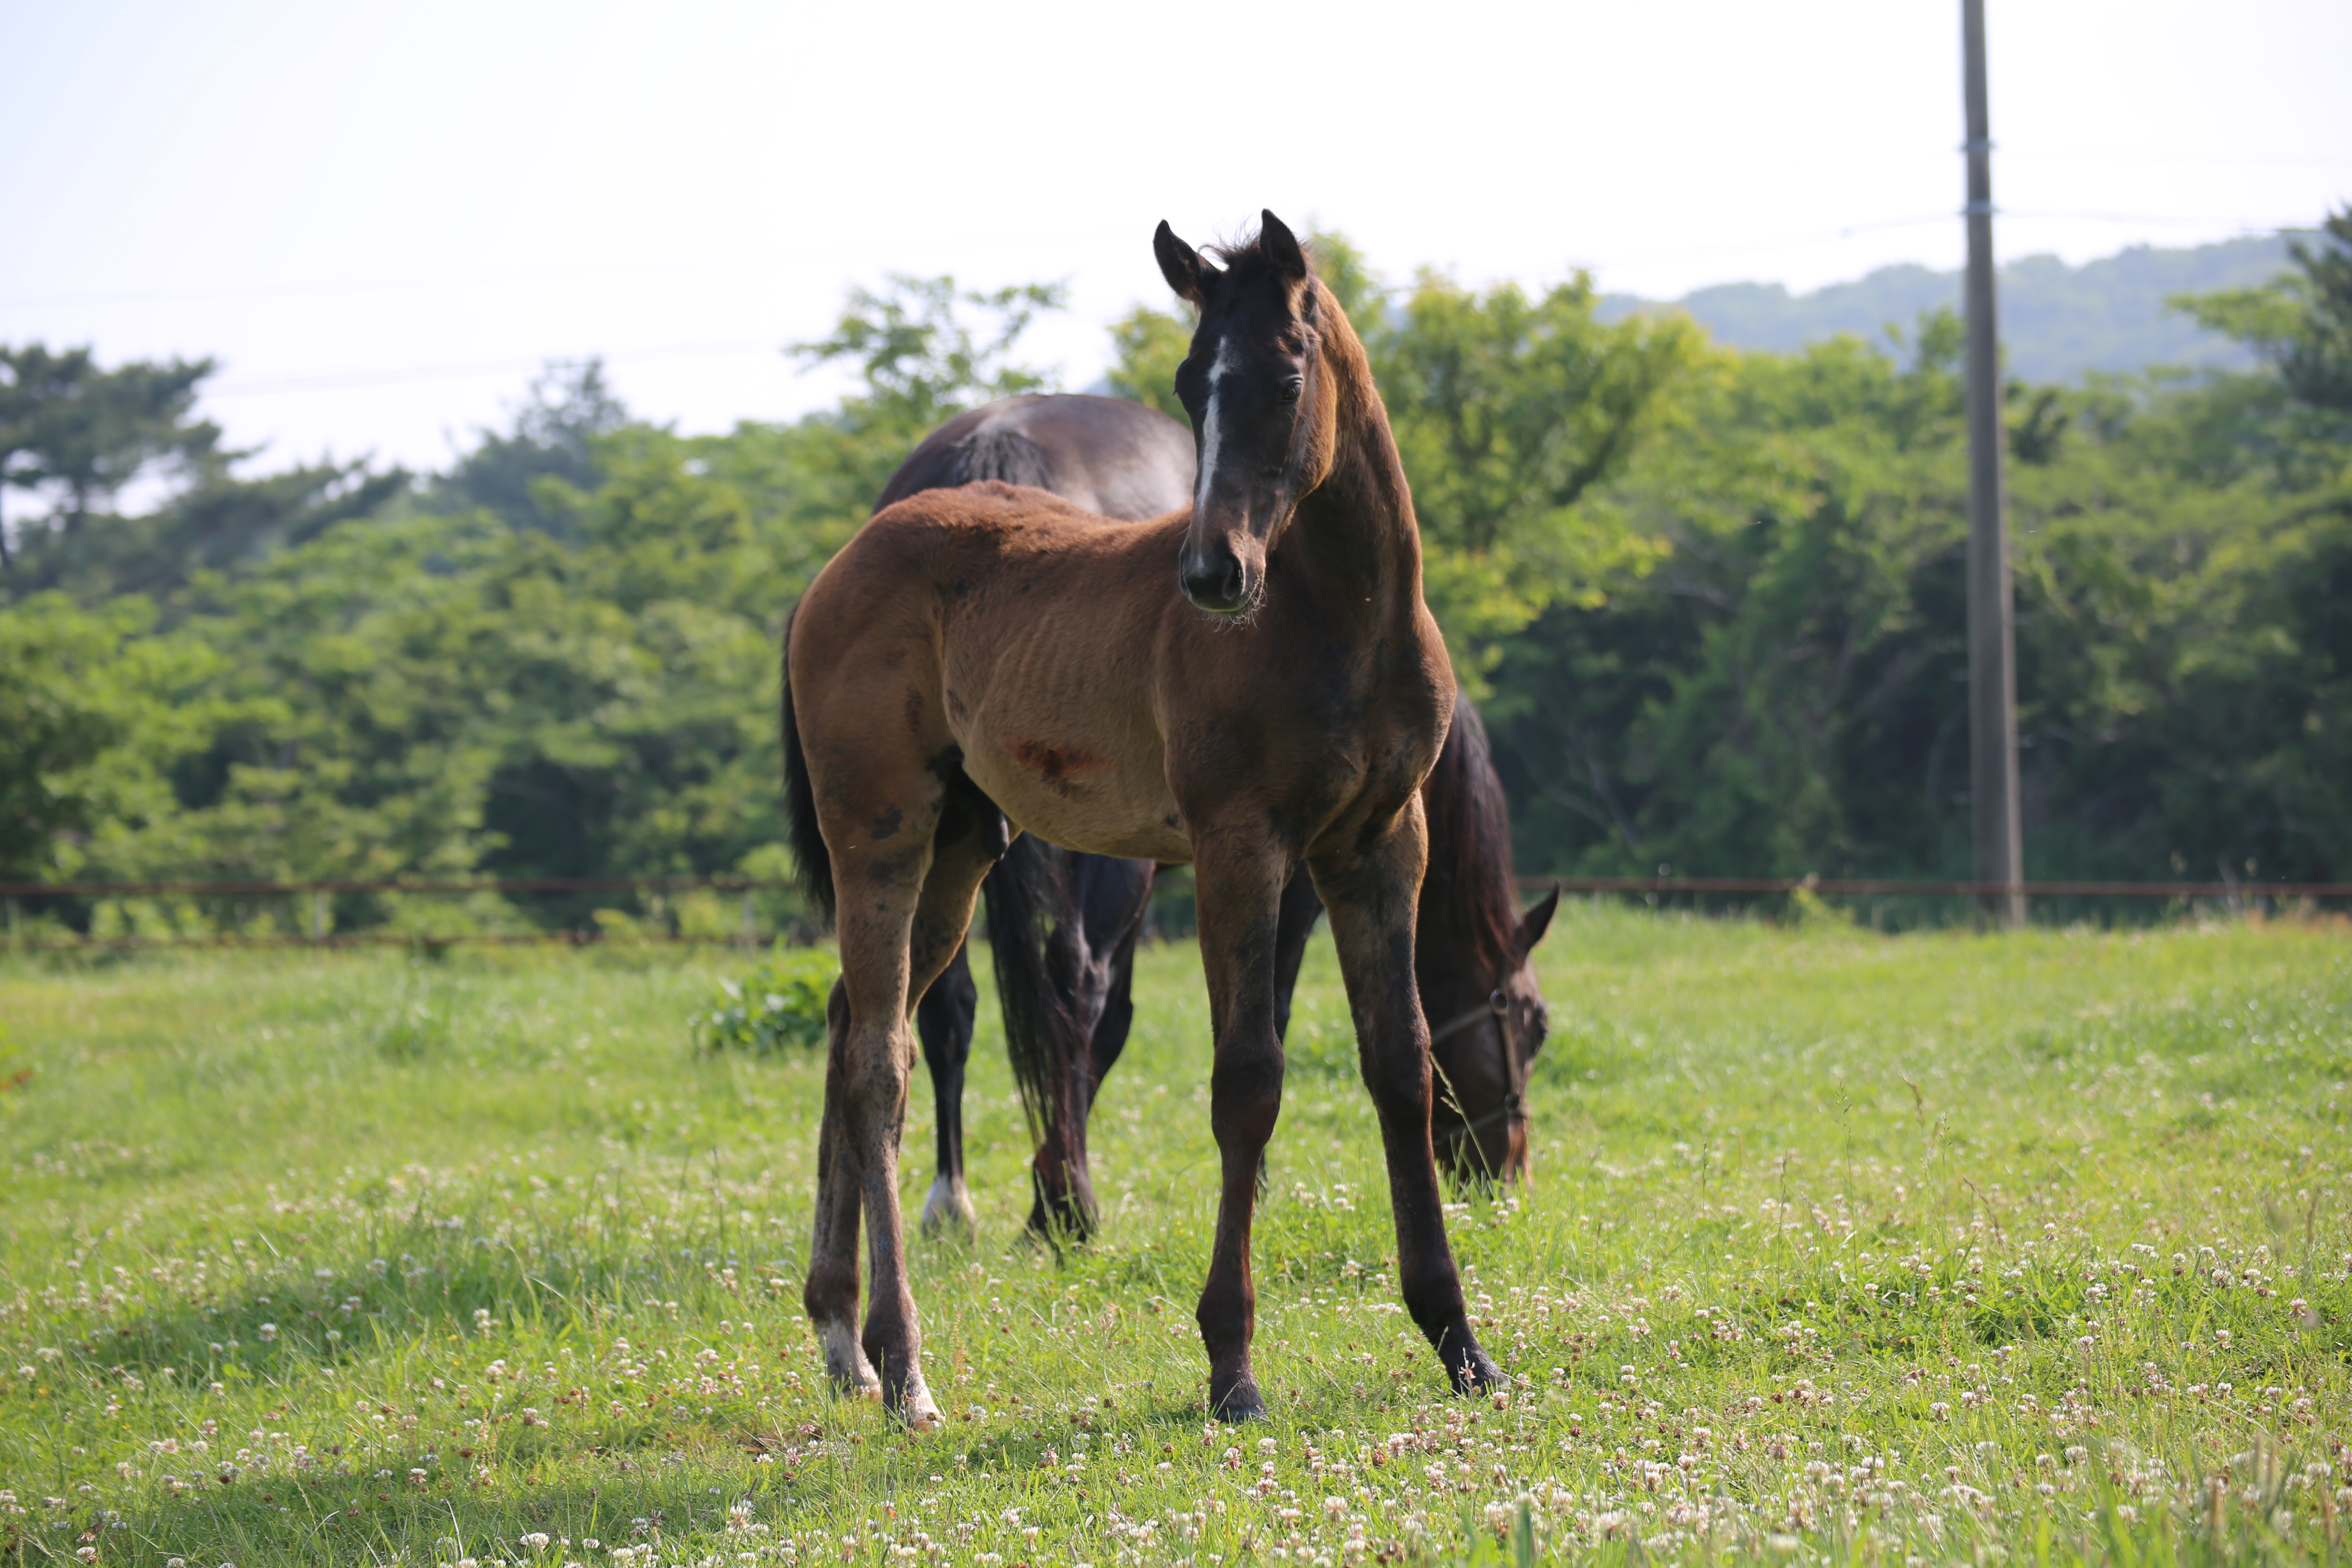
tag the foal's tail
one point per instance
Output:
(1028, 917)
(815, 862)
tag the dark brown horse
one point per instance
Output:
(1062, 925)
(991, 660)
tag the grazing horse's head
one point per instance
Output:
(1473, 956)
(1483, 1056)
(1262, 404)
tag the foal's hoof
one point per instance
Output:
(1240, 1402)
(846, 1364)
(915, 1407)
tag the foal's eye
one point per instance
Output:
(1291, 388)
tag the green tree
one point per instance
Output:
(2301, 322)
(95, 711)
(89, 431)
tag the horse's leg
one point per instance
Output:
(1109, 898)
(944, 1020)
(893, 1341)
(1371, 890)
(905, 902)
(1239, 875)
(1301, 909)
(1118, 996)
(831, 1294)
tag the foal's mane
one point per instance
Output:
(1469, 902)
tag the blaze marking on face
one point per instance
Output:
(1209, 431)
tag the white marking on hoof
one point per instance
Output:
(920, 1414)
(846, 1363)
(949, 1205)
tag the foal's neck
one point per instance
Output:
(1363, 540)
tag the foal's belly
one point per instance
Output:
(1072, 790)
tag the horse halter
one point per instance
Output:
(1516, 1075)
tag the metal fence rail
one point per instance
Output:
(2236, 894)
(1869, 886)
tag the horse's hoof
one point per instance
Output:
(947, 1211)
(846, 1364)
(915, 1407)
(1238, 1403)
(1475, 1374)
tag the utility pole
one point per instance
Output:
(1998, 834)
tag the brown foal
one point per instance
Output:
(993, 659)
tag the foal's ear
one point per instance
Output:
(1179, 263)
(1280, 247)
(1533, 924)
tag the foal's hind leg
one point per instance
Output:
(904, 905)
(944, 1019)
(1371, 891)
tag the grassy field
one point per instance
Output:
(1878, 1249)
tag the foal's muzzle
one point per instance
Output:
(1218, 582)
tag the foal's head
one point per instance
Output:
(1262, 400)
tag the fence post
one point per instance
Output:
(15, 939)
(750, 922)
(318, 915)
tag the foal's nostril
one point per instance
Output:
(1217, 585)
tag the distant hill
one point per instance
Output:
(2056, 322)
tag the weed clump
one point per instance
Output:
(779, 1005)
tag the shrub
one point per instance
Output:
(780, 1003)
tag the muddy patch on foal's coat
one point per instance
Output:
(1055, 763)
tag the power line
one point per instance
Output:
(542, 273)
(345, 380)
(2220, 160)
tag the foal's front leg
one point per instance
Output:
(1239, 880)
(1371, 891)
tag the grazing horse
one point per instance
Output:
(991, 660)
(1062, 925)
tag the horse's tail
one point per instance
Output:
(1028, 917)
(809, 853)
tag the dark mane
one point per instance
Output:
(1469, 902)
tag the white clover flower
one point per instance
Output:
(268, 1331)
(537, 1541)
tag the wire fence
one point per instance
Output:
(1171, 915)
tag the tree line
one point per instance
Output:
(1711, 601)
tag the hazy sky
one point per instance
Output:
(381, 218)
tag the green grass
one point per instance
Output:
(1839, 1246)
